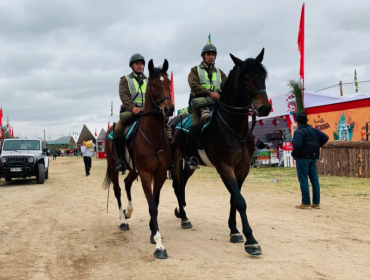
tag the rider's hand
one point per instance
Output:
(215, 95)
(136, 110)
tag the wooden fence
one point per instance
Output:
(345, 158)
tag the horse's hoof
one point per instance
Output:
(124, 227)
(236, 238)
(152, 240)
(177, 214)
(160, 254)
(186, 224)
(253, 249)
(126, 217)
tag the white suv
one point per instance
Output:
(22, 158)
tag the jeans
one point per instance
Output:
(87, 162)
(306, 168)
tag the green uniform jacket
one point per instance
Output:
(124, 91)
(194, 82)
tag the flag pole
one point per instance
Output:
(301, 49)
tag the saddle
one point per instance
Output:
(186, 123)
(130, 131)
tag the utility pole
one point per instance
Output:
(340, 88)
(44, 135)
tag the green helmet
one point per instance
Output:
(136, 57)
(209, 48)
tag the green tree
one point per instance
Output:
(297, 91)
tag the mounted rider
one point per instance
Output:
(132, 88)
(205, 81)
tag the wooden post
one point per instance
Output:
(340, 88)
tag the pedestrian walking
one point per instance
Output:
(86, 152)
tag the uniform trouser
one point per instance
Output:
(87, 162)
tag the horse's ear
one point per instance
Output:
(165, 66)
(150, 65)
(260, 56)
(236, 60)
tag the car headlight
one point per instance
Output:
(31, 159)
(3, 160)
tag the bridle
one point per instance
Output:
(157, 110)
(247, 109)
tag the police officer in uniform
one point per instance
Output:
(205, 81)
(132, 89)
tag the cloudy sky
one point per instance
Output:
(60, 61)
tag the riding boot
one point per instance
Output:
(119, 145)
(168, 132)
(191, 160)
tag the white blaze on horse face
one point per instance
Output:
(158, 241)
(122, 215)
(130, 208)
(161, 78)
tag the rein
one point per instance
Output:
(156, 111)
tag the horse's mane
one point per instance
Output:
(156, 71)
(249, 66)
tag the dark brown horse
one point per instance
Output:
(151, 153)
(228, 143)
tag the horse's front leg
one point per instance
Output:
(228, 177)
(235, 236)
(153, 201)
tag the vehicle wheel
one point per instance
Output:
(8, 179)
(47, 174)
(40, 177)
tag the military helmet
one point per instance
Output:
(209, 48)
(136, 57)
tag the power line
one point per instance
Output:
(352, 83)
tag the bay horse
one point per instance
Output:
(228, 143)
(151, 154)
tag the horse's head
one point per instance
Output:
(251, 83)
(159, 88)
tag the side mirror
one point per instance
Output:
(44, 150)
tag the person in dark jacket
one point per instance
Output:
(306, 160)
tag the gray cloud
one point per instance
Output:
(61, 61)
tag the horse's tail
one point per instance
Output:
(107, 180)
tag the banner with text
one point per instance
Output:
(349, 125)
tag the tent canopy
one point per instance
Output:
(60, 141)
(101, 136)
(311, 99)
(85, 135)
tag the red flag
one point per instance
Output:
(108, 124)
(12, 133)
(261, 122)
(301, 43)
(275, 121)
(1, 115)
(172, 90)
(95, 133)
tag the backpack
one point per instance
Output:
(310, 145)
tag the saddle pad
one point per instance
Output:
(129, 132)
(188, 121)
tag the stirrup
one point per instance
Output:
(193, 163)
(206, 114)
(120, 166)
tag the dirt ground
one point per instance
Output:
(60, 230)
